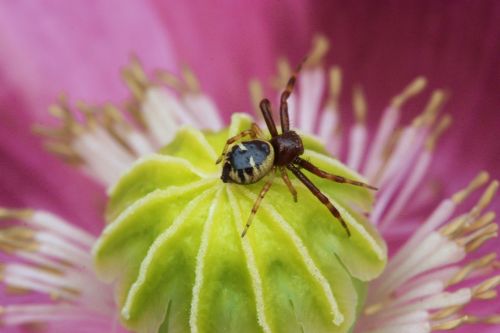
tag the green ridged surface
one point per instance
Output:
(174, 251)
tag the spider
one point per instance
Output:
(249, 161)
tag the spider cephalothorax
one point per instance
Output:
(249, 161)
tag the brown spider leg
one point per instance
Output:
(323, 174)
(288, 183)
(285, 121)
(321, 197)
(256, 205)
(254, 132)
(267, 113)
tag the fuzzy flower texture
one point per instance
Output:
(171, 258)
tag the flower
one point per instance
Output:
(374, 71)
(414, 293)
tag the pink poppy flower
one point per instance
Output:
(80, 48)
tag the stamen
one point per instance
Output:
(320, 47)
(486, 219)
(438, 131)
(335, 75)
(135, 78)
(170, 80)
(430, 112)
(358, 133)
(192, 83)
(329, 124)
(375, 161)
(450, 324)
(284, 73)
(471, 267)
(311, 87)
(482, 291)
(413, 89)
(477, 182)
(256, 94)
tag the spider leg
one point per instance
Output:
(267, 113)
(288, 183)
(323, 174)
(256, 204)
(317, 193)
(284, 118)
(254, 132)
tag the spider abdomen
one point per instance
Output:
(248, 162)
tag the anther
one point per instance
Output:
(450, 324)
(21, 214)
(320, 46)
(475, 265)
(359, 104)
(438, 131)
(192, 83)
(432, 108)
(482, 290)
(170, 80)
(335, 76)
(256, 94)
(477, 182)
(414, 88)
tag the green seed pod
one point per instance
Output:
(174, 251)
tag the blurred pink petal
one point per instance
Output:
(77, 47)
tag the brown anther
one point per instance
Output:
(428, 116)
(373, 309)
(89, 112)
(444, 124)
(387, 152)
(16, 291)
(473, 266)
(335, 77)
(476, 243)
(486, 286)
(446, 312)
(61, 133)
(479, 223)
(488, 229)
(170, 80)
(112, 115)
(320, 46)
(133, 107)
(64, 151)
(17, 214)
(256, 94)
(414, 88)
(135, 78)
(454, 228)
(284, 72)
(137, 70)
(477, 182)
(192, 83)
(486, 198)
(359, 104)
(450, 324)
(492, 320)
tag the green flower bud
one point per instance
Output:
(174, 250)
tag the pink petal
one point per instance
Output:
(76, 47)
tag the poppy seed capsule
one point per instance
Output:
(173, 246)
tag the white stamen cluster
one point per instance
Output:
(47, 256)
(106, 140)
